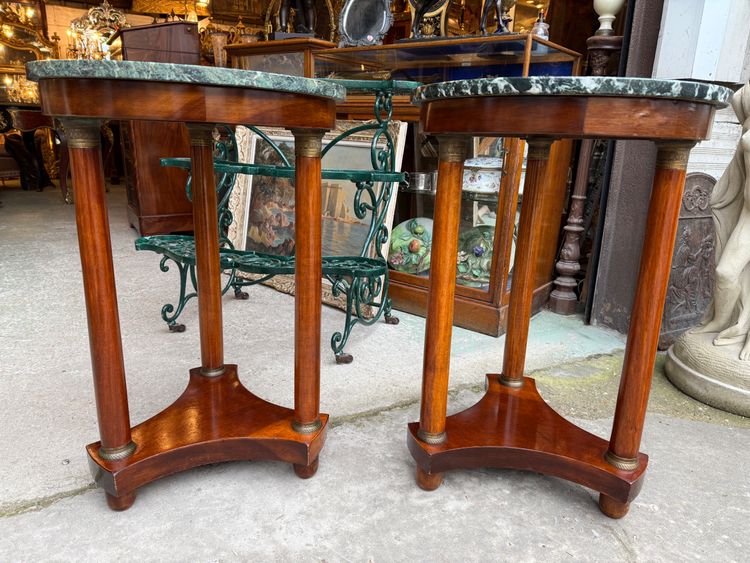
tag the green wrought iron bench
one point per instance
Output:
(362, 279)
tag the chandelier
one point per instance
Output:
(88, 35)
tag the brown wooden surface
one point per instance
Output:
(512, 426)
(162, 101)
(308, 288)
(171, 42)
(479, 316)
(574, 117)
(208, 269)
(645, 319)
(215, 419)
(442, 287)
(166, 209)
(524, 269)
(95, 247)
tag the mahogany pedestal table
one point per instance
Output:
(512, 426)
(216, 418)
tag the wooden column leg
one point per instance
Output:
(645, 319)
(308, 285)
(101, 298)
(439, 325)
(524, 267)
(208, 268)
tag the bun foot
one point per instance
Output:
(306, 471)
(177, 327)
(120, 503)
(612, 508)
(391, 320)
(427, 481)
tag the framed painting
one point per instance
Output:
(263, 207)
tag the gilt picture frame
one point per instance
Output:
(263, 207)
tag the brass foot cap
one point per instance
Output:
(112, 454)
(431, 438)
(508, 382)
(213, 372)
(626, 464)
(307, 427)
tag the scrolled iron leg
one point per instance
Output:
(170, 313)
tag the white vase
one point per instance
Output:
(607, 10)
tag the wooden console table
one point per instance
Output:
(216, 418)
(512, 426)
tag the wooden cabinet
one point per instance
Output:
(157, 202)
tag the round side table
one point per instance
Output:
(512, 426)
(216, 418)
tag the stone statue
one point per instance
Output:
(711, 362)
(729, 316)
(304, 19)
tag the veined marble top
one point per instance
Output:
(575, 86)
(186, 74)
(370, 86)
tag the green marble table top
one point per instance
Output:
(395, 87)
(185, 74)
(576, 86)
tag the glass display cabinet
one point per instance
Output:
(489, 208)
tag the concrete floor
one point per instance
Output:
(363, 504)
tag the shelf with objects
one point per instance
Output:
(493, 171)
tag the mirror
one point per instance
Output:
(364, 22)
(22, 40)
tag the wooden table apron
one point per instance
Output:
(216, 418)
(512, 426)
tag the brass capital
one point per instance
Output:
(113, 454)
(539, 148)
(673, 156)
(201, 134)
(308, 142)
(624, 463)
(81, 133)
(307, 427)
(431, 438)
(452, 149)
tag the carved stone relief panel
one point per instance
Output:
(692, 278)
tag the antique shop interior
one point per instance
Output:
(551, 192)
